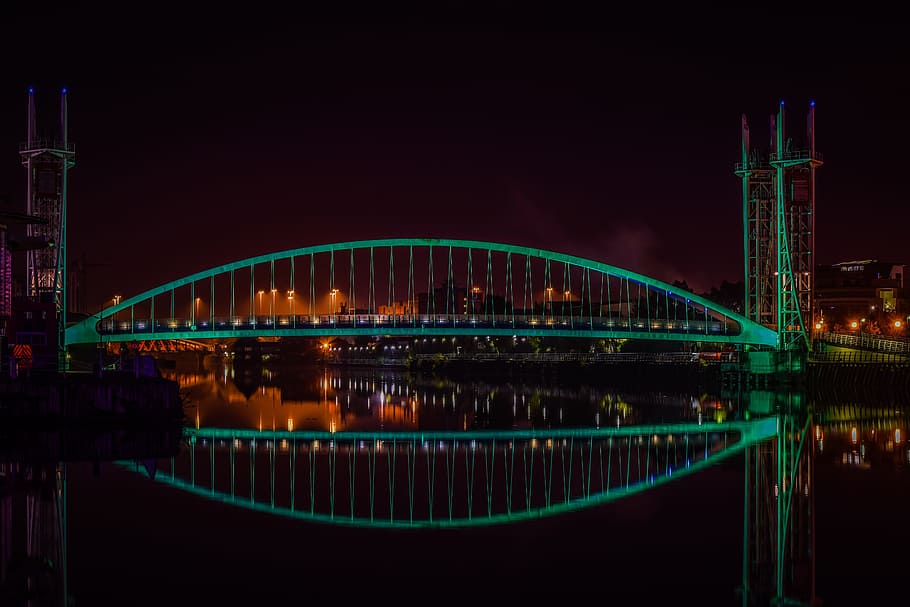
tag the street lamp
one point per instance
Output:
(260, 301)
(114, 301)
(333, 293)
(272, 303)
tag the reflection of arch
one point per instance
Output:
(516, 290)
(449, 479)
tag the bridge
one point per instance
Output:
(418, 286)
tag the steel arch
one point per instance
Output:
(744, 330)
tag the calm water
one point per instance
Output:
(295, 520)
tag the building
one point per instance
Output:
(868, 292)
(18, 325)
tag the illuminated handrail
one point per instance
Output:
(47, 144)
(796, 155)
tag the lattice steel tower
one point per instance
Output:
(778, 230)
(48, 160)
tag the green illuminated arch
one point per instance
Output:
(744, 331)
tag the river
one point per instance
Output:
(371, 484)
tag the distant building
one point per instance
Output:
(399, 308)
(865, 289)
(32, 329)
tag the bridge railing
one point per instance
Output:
(859, 357)
(459, 322)
(589, 357)
(866, 342)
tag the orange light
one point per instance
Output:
(853, 324)
(897, 324)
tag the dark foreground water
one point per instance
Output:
(132, 540)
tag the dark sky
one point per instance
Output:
(204, 138)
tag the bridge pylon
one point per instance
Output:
(48, 161)
(778, 190)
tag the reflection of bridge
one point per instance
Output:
(447, 479)
(467, 479)
(419, 286)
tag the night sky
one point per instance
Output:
(204, 138)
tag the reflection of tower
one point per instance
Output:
(48, 162)
(779, 512)
(778, 230)
(33, 534)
